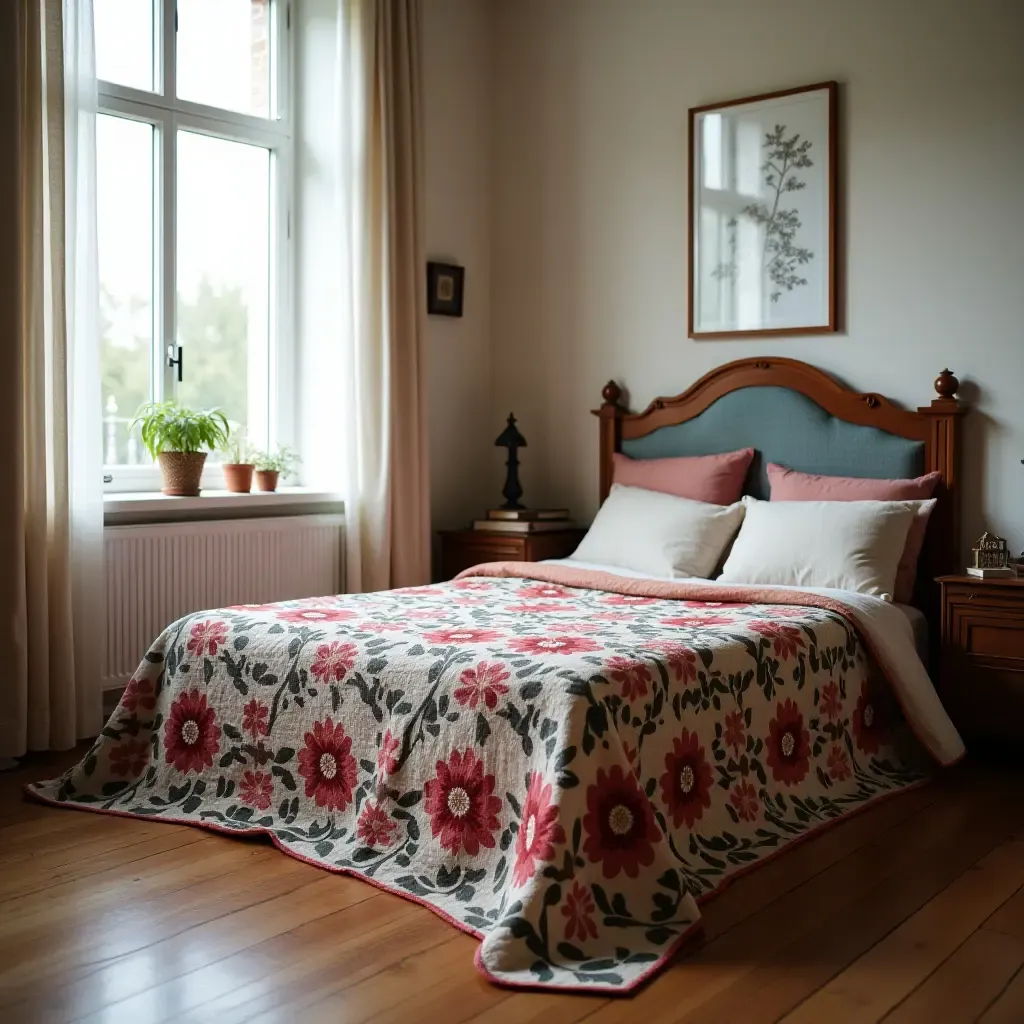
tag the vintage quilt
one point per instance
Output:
(563, 771)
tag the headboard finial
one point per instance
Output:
(610, 415)
(611, 393)
(946, 384)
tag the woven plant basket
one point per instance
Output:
(181, 472)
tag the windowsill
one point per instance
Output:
(127, 508)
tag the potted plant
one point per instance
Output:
(238, 465)
(271, 466)
(175, 436)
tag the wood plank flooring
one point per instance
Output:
(912, 912)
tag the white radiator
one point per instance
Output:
(158, 572)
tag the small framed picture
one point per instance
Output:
(763, 215)
(444, 289)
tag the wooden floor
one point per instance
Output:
(913, 911)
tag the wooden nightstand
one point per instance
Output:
(982, 666)
(462, 548)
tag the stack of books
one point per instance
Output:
(1009, 572)
(525, 520)
(1005, 573)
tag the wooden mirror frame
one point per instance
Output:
(937, 426)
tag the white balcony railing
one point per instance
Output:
(119, 447)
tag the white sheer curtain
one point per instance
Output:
(363, 380)
(364, 375)
(51, 518)
(84, 414)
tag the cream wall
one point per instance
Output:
(589, 211)
(457, 116)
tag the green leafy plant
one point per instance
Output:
(283, 460)
(780, 255)
(169, 427)
(235, 447)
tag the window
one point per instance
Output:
(194, 154)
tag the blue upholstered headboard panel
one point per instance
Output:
(786, 427)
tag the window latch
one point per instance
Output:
(172, 362)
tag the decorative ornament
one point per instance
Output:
(991, 552)
(511, 439)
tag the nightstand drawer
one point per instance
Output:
(456, 557)
(462, 549)
(992, 639)
(472, 554)
(1009, 596)
(982, 628)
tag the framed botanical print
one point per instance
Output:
(762, 206)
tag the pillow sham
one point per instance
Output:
(717, 479)
(659, 534)
(791, 485)
(846, 545)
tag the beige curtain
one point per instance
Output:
(382, 267)
(43, 702)
(399, 62)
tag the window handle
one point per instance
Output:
(179, 362)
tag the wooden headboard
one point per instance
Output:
(935, 426)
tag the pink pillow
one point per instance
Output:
(789, 485)
(717, 479)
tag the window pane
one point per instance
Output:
(124, 197)
(223, 278)
(124, 42)
(224, 54)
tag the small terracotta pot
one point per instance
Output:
(266, 479)
(181, 472)
(238, 476)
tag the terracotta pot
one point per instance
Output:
(181, 472)
(238, 477)
(266, 479)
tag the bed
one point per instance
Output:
(561, 760)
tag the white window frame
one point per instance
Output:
(167, 114)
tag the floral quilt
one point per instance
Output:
(564, 772)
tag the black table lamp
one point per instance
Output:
(511, 439)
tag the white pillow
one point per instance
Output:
(659, 534)
(846, 545)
